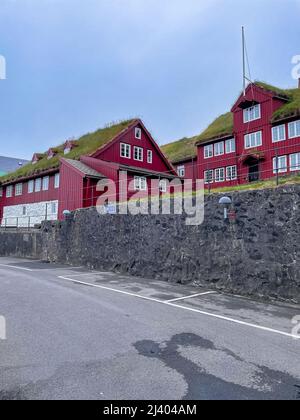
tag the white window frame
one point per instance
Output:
(140, 183)
(295, 127)
(230, 146)
(163, 185)
(181, 171)
(30, 186)
(208, 151)
(276, 133)
(57, 180)
(219, 148)
(231, 173)
(282, 168)
(38, 185)
(218, 177)
(18, 189)
(252, 136)
(138, 133)
(45, 183)
(9, 191)
(125, 150)
(295, 168)
(138, 154)
(209, 179)
(149, 156)
(250, 113)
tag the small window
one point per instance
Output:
(46, 183)
(140, 183)
(253, 140)
(231, 173)
(278, 133)
(163, 185)
(138, 133)
(230, 146)
(53, 208)
(181, 171)
(9, 191)
(253, 113)
(125, 151)
(219, 148)
(38, 184)
(149, 156)
(209, 176)
(30, 187)
(24, 211)
(138, 154)
(208, 151)
(294, 129)
(18, 190)
(295, 162)
(56, 180)
(282, 165)
(220, 175)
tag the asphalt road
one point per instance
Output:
(76, 334)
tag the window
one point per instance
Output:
(282, 164)
(230, 146)
(1, 192)
(138, 133)
(251, 114)
(231, 173)
(138, 153)
(9, 191)
(149, 156)
(18, 189)
(181, 170)
(38, 185)
(220, 175)
(140, 183)
(53, 208)
(46, 183)
(56, 180)
(278, 133)
(253, 140)
(24, 211)
(208, 151)
(294, 129)
(125, 150)
(219, 148)
(163, 186)
(295, 162)
(209, 177)
(30, 187)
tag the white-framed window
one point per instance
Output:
(149, 156)
(231, 173)
(282, 164)
(45, 185)
(295, 162)
(253, 140)
(220, 175)
(278, 133)
(230, 146)
(138, 153)
(53, 208)
(9, 191)
(181, 171)
(294, 129)
(18, 189)
(138, 133)
(163, 185)
(30, 186)
(125, 151)
(38, 184)
(253, 113)
(56, 180)
(219, 148)
(140, 183)
(209, 176)
(208, 151)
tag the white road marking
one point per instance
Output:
(211, 315)
(16, 268)
(38, 269)
(189, 297)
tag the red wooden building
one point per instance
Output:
(66, 177)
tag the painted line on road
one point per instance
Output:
(38, 269)
(208, 314)
(190, 297)
(15, 267)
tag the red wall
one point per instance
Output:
(71, 190)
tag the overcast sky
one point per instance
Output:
(74, 65)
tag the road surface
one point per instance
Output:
(77, 334)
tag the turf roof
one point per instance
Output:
(180, 150)
(86, 145)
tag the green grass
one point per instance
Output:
(222, 126)
(86, 145)
(180, 150)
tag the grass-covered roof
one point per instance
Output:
(86, 145)
(180, 150)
